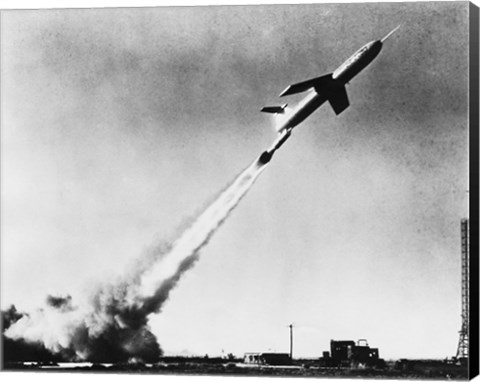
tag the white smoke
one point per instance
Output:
(194, 238)
(112, 325)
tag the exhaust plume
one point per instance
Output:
(112, 324)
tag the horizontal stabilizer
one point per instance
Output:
(338, 99)
(301, 87)
(274, 109)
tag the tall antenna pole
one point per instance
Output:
(291, 341)
(462, 350)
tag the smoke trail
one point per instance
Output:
(185, 250)
(112, 325)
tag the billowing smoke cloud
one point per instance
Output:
(20, 350)
(111, 325)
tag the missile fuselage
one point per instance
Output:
(342, 75)
(330, 87)
(357, 62)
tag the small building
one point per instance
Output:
(351, 354)
(267, 359)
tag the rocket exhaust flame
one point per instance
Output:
(112, 326)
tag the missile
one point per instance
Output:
(329, 87)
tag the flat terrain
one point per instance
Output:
(405, 369)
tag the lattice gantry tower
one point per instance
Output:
(462, 350)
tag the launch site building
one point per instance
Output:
(351, 354)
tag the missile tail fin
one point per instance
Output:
(274, 109)
(338, 99)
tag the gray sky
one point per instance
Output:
(119, 125)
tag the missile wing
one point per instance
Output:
(301, 87)
(334, 91)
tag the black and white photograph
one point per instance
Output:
(240, 190)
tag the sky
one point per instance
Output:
(119, 125)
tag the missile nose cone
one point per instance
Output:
(388, 35)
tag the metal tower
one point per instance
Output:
(462, 350)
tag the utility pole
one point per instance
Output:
(291, 341)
